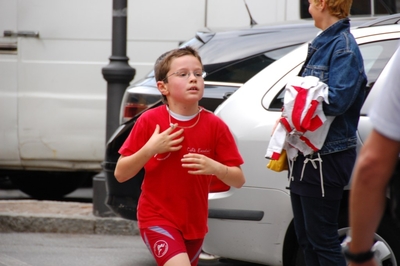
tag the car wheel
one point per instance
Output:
(386, 239)
(48, 185)
(386, 244)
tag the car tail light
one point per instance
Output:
(218, 186)
(135, 103)
(132, 109)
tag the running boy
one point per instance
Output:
(181, 146)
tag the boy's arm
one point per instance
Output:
(231, 175)
(203, 165)
(128, 166)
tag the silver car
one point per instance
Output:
(230, 58)
(255, 223)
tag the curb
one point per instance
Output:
(59, 217)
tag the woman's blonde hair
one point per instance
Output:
(338, 8)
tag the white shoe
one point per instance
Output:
(206, 256)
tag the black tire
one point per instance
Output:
(389, 231)
(48, 185)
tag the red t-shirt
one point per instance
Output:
(170, 195)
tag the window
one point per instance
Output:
(242, 71)
(376, 55)
(362, 7)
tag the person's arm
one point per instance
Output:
(203, 165)
(128, 166)
(372, 172)
(231, 175)
(344, 75)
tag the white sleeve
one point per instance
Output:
(276, 142)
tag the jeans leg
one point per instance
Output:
(310, 256)
(320, 225)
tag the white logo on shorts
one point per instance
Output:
(160, 248)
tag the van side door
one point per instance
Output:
(9, 151)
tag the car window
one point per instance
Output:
(375, 55)
(242, 71)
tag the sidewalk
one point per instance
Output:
(59, 217)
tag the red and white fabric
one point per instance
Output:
(303, 126)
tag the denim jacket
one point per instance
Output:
(334, 57)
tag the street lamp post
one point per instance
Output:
(118, 73)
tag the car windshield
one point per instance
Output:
(194, 42)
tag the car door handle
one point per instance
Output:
(22, 33)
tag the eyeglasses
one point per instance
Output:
(186, 74)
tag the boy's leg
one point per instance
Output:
(193, 248)
(181, 259)
(168, 247)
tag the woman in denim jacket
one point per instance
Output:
(318, 180)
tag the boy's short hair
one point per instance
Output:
(338, 8)
(163, 63)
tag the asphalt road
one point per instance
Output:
(43, 249)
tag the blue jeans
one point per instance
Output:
(315, 222)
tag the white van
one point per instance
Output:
(52, 92)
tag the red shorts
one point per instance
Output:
(165, 242)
